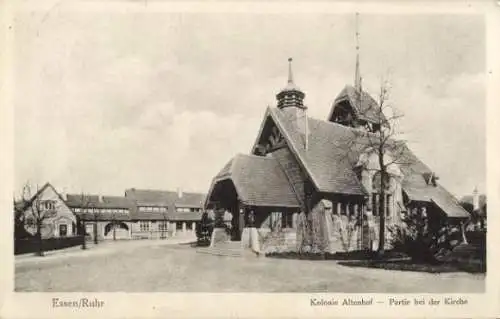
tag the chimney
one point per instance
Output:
(475, 199)
(179, 192)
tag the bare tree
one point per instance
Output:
(36, 212)
(164, 225)
(380, 138)
(95, 214)
(84, 206)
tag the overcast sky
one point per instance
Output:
(110, 101)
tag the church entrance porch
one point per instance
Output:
(273, 225)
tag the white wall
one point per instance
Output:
(62, 215)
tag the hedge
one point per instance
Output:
(30, 245)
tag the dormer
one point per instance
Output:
(430, 178)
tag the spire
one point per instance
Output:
(357, 75)
(291, 95)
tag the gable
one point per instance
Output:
(270, 137)
(49, 194)
(363, 106)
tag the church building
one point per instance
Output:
(326, 172)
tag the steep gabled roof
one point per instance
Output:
(364, 105)
(22, 205)
(259, 181)
(326, 162)
(330, 157)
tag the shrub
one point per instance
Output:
(204, 230)
(421, 242)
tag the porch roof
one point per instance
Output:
(259, 181)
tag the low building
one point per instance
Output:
(140, 214)
(475, 204)
(106, 217)
(158, 213)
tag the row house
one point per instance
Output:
(140, 214)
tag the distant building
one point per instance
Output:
(476, 205)
(47, 206)
(155, 213)
(105, 216)
(140, 214)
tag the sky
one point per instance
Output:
(108, 101)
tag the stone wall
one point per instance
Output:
(344, 234)
(277, 241)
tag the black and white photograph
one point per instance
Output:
(232, 152)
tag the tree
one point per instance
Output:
(84, 205)
(89, 212)
(204, 230)
(96, 215)
(164, 226)
(378, 141)
(422, 243)
(36, 211)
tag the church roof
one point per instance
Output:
(259, 181)
(331, 154)
(364, 105)
(328, 164)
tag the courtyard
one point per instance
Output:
(166, 266)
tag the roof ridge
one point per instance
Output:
(254, 156)
(162, 191)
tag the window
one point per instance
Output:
(77, 210)
(144, 225)
(375, 204)
(63, 230)
(343, 209)
(178, 225)
(275, 220)
(156, 209)
(388, 204)
(48, 205)
(287, 220)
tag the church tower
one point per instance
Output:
(290, 96)
(353, 106)
(291, 103)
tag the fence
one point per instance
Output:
(30, 245)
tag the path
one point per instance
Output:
(179, 268)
